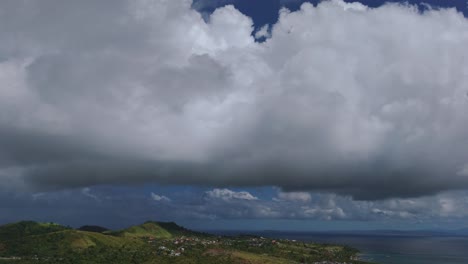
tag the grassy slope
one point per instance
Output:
(29, 238)
(257, 258)
(64, 242)
(148, 229)
(58, 244)
(49, 240)
(28, 228)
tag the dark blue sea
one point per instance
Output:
(390, 248)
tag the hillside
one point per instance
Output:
(93, 228)
(62, 242)
(147, 229)
(28, 228)
(154, 242)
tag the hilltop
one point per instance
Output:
(153, 242)
(147, 229)
(93, 228)
(28, 228)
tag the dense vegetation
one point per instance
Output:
(28, 228)
(154, 242)
(93, 228)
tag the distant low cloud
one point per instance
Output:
(294, 196)
(85, 191)
(228, 195)
(160, 198)
(131, 207)
(366, 103)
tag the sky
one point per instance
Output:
(234, 114)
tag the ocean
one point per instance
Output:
(388, 248)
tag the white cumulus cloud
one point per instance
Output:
(365, 102)
(159, 198)
(294, 196)
(228, 195)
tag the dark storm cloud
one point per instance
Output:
(340, 98)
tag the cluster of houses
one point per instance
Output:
(171, 252)
(261, 241)
(177, 246)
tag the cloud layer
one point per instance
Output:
(340, 98)
(126, 206)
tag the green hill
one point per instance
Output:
(64, 242)
(28, 228)
(52, 243)
(49, 240)
(154, 242)
(93, 228)
(174, 228)
(148, 229)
